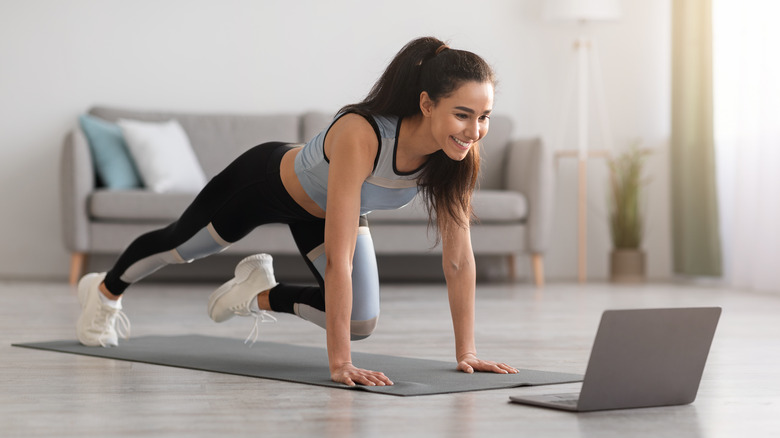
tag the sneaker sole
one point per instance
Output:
(246, 270)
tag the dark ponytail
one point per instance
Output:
(397, 92)
(428, 64)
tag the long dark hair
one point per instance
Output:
(428, 64)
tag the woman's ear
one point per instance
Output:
(426, 104)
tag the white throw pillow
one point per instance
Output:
(163, 155)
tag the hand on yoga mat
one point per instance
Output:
(351, 375)
(471, 363)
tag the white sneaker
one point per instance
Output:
(97, 325)
(254, 274)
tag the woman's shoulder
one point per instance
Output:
(354, 133)
(353, 125)
(363, 123)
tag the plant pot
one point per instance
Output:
(627, 266)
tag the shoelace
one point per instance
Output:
(123, 329)
(108, 317)
(262, 316)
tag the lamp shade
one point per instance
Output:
(582, 10)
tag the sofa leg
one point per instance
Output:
(537, 263)
(512, 268)
(77, 262)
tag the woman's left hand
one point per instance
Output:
(471, 363)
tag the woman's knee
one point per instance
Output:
(204, 243)
(358, 328)
(152, 251)
(362, 329)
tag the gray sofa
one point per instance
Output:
(513, 202)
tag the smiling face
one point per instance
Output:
(460, 119)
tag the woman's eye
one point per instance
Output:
(462, 116)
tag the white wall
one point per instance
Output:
(58, 58)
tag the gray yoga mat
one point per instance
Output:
(309, 365)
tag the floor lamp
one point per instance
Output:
(583, 12)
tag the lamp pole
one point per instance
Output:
(583, 12)
(582, 47)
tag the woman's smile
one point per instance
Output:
(465, 145)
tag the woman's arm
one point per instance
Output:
(460, 274)
(351, 146)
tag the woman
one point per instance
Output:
(418, 129)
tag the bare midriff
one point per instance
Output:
(293, 185)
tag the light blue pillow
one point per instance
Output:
(114, 164)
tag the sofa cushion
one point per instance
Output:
(113, 163)
(494, 206)
(490, 206)
(137, 205)
(492, 151)
(163, 155)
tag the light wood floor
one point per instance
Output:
(58, 395)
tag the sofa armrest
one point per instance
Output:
(530, 172)
(77, 181)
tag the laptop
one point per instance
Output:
(641, 358)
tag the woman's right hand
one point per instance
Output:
(351, 375)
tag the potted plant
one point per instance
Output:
(626, 219)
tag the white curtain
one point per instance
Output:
(746, 68)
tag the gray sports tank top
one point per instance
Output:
(385, 189)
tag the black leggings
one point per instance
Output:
(247, 194)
